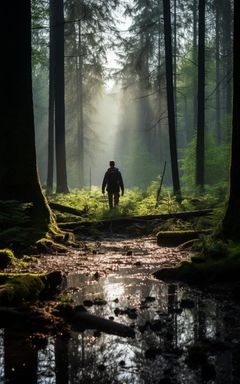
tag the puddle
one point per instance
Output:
(182, 336)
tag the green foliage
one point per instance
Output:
(216, 163)
(136, 202)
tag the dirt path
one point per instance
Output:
(110, 255)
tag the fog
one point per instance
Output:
(105, 123)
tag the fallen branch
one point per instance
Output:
(80, 320)
(66, 209)
(137, 219)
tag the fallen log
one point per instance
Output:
(137, 219)
(80, 320)
(67, 209)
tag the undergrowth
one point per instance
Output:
(135, 202)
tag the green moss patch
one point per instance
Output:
(6, 258)
(205, 269)
(25, 287)
(20, 288)
(49, 246)
(176, 238)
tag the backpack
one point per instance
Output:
(113, 179)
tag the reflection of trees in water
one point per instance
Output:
(47, 363)
(1, 355)
(169, 320)
(96, 358)
(20, 359)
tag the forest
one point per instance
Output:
(119, 159)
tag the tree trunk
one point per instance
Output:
(201, 99)
(195, 67)
(51, 109)
(231, 220)
(175, 57)
(217, 76)
(59, 92)
(80, 107)
(227, 49)
(170, 97)
(18, 171)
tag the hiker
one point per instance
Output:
(113, 182)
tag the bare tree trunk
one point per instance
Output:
(227, 49)
(195, 66)
(175, 57)
(231, 222)
(51, 110)
(201, 99)
(80, 106)
(59, 95)
(170, 97)
(218, 89)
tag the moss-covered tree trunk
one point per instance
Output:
(231, 222)
(18, 171)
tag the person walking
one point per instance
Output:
(113, 182)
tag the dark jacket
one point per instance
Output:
(113, 180)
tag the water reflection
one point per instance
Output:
(182, 336)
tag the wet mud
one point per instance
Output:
(181, 335)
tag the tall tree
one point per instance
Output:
(227, 49)
(231, 221)
(80, 122)
(59, 94)
(217, 74)
(170, 97)
(194, 49)
(18, 171)
(201, 98)
(51, 109)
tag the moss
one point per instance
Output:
(206, 269)
(20, 288)
(175, 238)
(45, 245)
(16, 288)
(6, 258)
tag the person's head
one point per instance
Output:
(112, 163)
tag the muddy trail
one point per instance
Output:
(109, 254)
(180, 335)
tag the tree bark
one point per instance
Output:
(227, 49)
(195, 67)
(201, 99)
(18, 170)
(80, 106)
(231, 221)
(217, 76)
(51, 108)
(59, 95)
(170, 97)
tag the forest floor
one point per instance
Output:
(108, 254)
